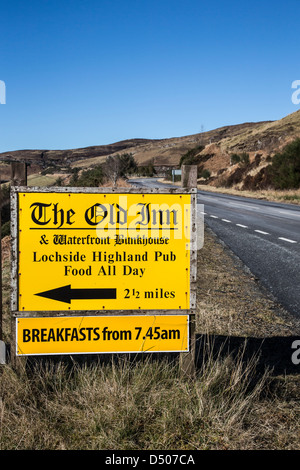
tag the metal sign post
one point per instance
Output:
(175, 173)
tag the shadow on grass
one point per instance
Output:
(274, 354)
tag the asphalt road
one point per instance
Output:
(264, 235)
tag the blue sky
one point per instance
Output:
(80, 73)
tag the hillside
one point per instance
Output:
(261, 140)
(162, 152)
(39, 160)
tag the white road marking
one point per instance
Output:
(260, 231)
(287, 240)
(257, 231)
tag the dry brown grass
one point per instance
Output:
(231, 302)
(145, 403)
(288, 195)
(121, 183)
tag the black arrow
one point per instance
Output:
(66, 294)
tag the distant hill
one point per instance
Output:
(261, 139)
(39, 160)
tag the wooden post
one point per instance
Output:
(1, 310)
(187, 360)
(189, 176)
(18, 174)
(18, 178)
(2, 345)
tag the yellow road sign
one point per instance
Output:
(103, 251)
(102, 334)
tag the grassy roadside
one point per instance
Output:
(287, 196)
(230, 300)
(291, 196)
(146, 403)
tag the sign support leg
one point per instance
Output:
(187, 360)
(2, 344)
(18, 178)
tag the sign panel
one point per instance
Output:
(102, 334)
(93, 251)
